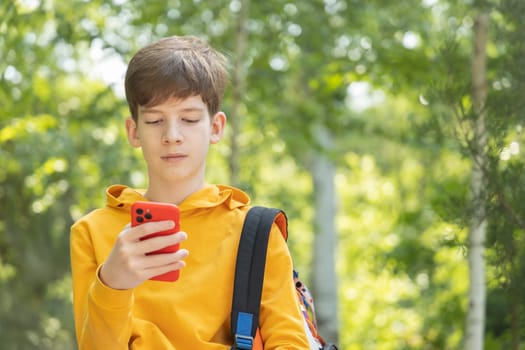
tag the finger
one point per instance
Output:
(156, 271)
(159, 242)
(137, 232)
(161, 263)
(159, 260)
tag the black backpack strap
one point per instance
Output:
(249, 275)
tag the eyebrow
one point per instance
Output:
(153, 110)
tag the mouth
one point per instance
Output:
(173, 157)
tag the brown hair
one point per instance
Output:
(177, 66)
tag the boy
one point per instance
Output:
(174, 89)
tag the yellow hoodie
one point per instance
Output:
(194, 312)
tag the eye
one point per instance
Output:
(153, 122)
(191, 120)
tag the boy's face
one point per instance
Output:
(174, 137)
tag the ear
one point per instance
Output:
(218, 122)
(132, 132)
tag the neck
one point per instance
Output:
(168, 192)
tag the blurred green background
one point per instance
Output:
(362, 108)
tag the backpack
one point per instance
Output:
(249, 276)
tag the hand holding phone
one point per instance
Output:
(143, 212)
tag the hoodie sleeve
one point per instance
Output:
(281, 320)
(102, 315)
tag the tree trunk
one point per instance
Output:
(477, 290)
(324, 285)
(238, 89)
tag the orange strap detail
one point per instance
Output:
(257, 342)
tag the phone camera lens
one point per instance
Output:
(140, 219)
(139, 211)
(148, 216)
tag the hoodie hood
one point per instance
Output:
(122, 197)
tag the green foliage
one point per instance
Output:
(54, 125)
(504, 169)
(402, 163)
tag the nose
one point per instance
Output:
(172, 133)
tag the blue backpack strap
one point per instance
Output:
(249, 275)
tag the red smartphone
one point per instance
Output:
(142, 212)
